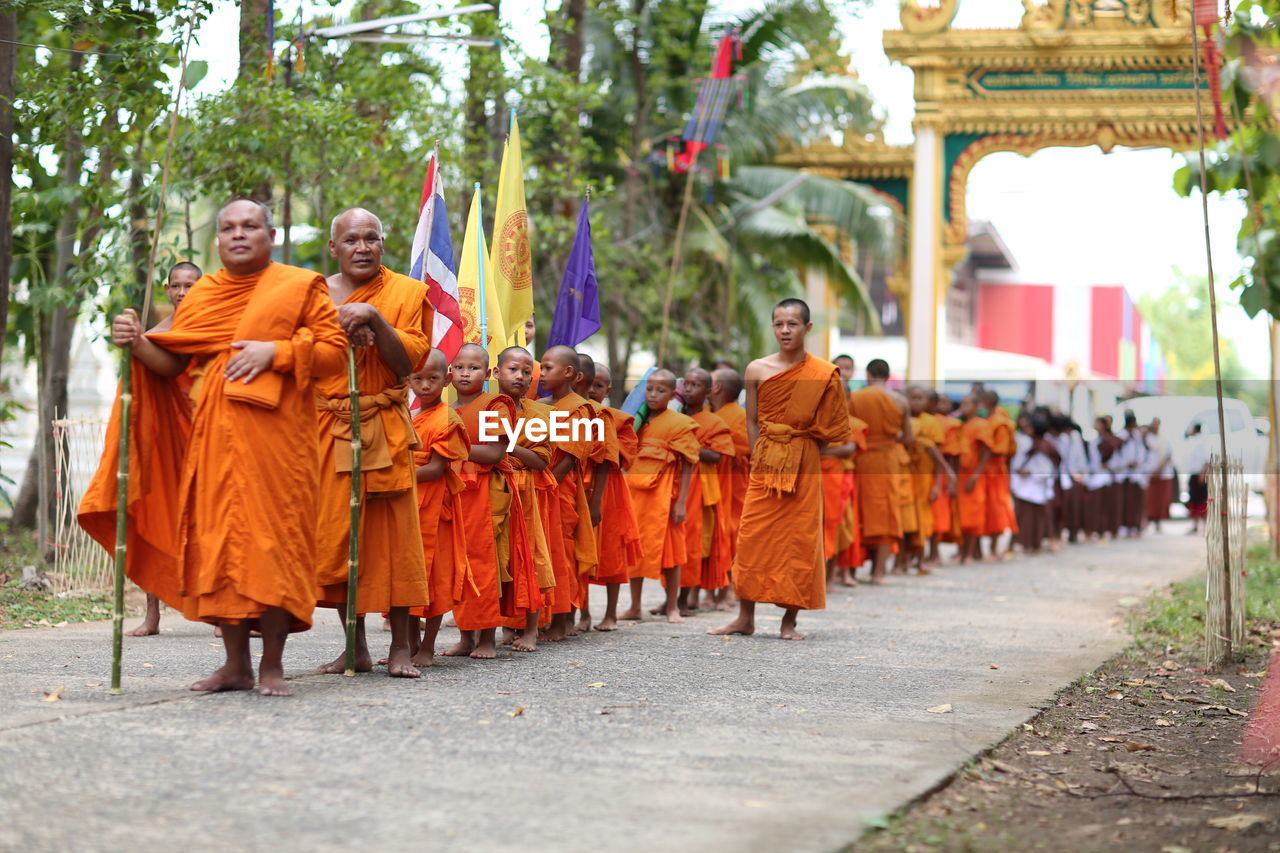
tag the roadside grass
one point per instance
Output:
(28, 608)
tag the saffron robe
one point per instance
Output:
(392, 565)
(666, 440)
(927, 433)
(946, 519)
(245, 508)
(441, 432)
(734, 472)
(880, 466)
(999, 506)
(975, 434)
(539, 502)
(703, 525)
(576, 530)
(618, 535)
(780, 541)
(849, 535)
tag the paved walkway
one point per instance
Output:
(657, 737)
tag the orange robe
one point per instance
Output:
(704, 524)
(946, 520)
(927, 433)
(539, 503)
(879, 466)
(444, 543)
(654, 480)
(532, 393)
(780, 540)
(576, 531)
(245, 505)
(975, 434)
(618, 535)
(849, 535)
(391, 558)
(996, 478)
(735, 471)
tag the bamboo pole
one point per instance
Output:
(353, 535)
(126, 389)
(1224, 505)
(675, 260)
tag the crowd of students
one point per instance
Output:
(765, 486)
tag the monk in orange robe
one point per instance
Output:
(926, 466)
(946, 520)
(443, 441)
(530, 334)
(595, 474)
(478, 619)
(880, 466)
(388, 320)
(1000, 515)
(99, 510)
(975, 455)
(530, 459)
(618, 534)
(849, 534)
(704, 525)
(659, 481)
(726, 385)
(245, 535)
(795, 407)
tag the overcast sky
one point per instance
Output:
(1071, 216)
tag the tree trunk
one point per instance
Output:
(8, 67)
(254, 53)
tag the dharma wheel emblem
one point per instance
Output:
(513, 250)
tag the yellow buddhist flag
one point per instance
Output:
(475, 277)
(512, 260)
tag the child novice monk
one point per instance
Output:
(569, 460)
(659, 483)
(726, 385)
(926, 464)
(595, 478)
(497, 540)
(975, 455)
(617, 535)
(704, 520)
(530, 461)
(444, 444)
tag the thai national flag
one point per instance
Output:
(433, 263)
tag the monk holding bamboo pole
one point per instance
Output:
(795, 407)
(388, 320)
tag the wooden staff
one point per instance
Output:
(353, 537)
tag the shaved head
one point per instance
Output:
(587, 367)
(663, 375)
(563, 355)
(262, 209)
(350, 217)
(700, 374)
(730, 380)
(512, 351)
(602, 370)
(436, 359)
(474, 349)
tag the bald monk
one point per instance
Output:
(975, 455)
(880, 465)
(726, 386)
(659, 482)
(570, 459)
(595, 478)
(945, 520)
(795, 407)
(443, 443)
(704, 522)
(617, 535)
(388, 320)
(478, 619)
(530, 459)
(845, 364)
(1000, 517)
(126, 330)
(263, 333)
(926, 466)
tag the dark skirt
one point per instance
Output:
(1197, 496)
(1035, 523)
(1134, 511)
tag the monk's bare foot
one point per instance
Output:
(256, 633)
(923, 571)
(526, 642)
(424, 657)
(898, 570)
(877, 580)
(687, 612)
(146, 629)
(364, 663)
(484, 651)
(570, 629)
(508, 636)
(631, 615)
(746, 627)
(553, 633)
(657, 611)
(724, 606)
(225, 678)
(790, 633)
(271, 681)
(584, 625)
(400, 665)
(460, 649)
(607, 624)
(674, 617)
(386, 626)
(217, 631)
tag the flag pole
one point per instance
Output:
(480, 284)
(675, 259)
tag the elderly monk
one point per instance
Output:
(880, 466)
(726, 385)
(704, 522)
(795, 407)
(264, 333)
(388, 320)
(145, 563)
(659, 483)
(443, 441)
(618, 534)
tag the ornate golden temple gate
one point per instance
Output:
(1074, 73)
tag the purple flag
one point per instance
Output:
(577, 314)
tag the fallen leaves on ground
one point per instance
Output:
(598, 684)
(939, 709)
(517, 712)
(1139, 747)
(1237, 822)
(54, 695)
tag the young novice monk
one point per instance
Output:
(927, 463)
(595, 478)
(537, 488)
(617, 534)
(726, 385)
(444, 443)
(659, 483)
(975, 455)
(795, 407)
(704, 521)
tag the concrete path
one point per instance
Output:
(656, 737)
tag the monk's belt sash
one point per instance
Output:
(776, 460)
(375, 449)
(651, 459)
